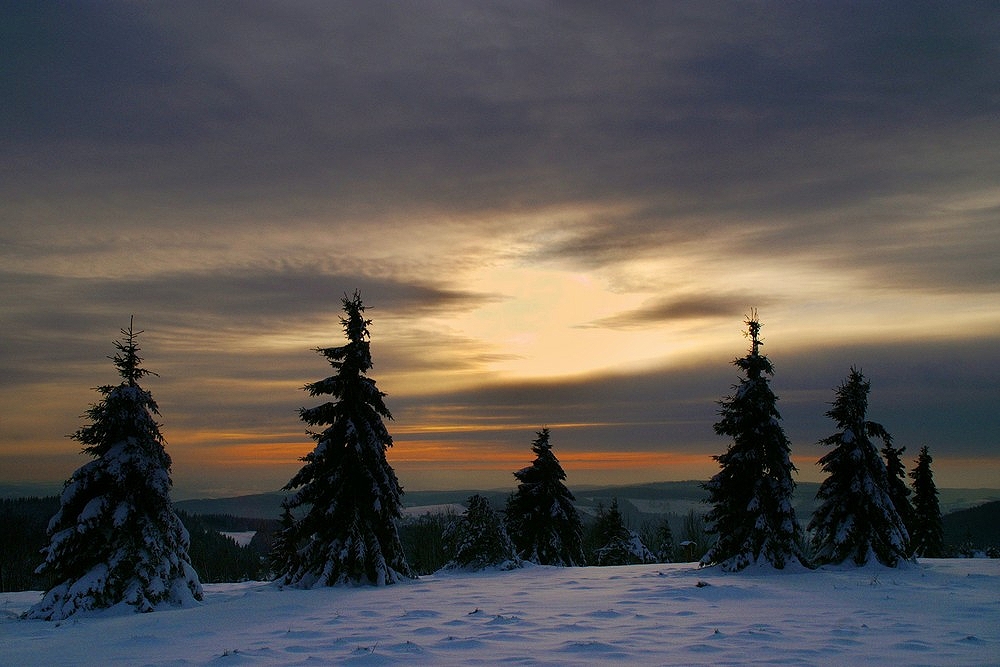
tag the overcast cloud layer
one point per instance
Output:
(558, 213)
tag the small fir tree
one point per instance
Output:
(856, 519)
(615, 543)
(665, 547)
(116, 538)
(927, 539)
(694, 538)
(899, 492)
(284, 554)
(541, 518)
(478, 539)
(751, 495)
(348, 491)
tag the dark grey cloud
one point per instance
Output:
(689, 307)
(934, 392)
(939, 394)
(857, 139)
(740, 110)
(56, 322)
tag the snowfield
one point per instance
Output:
(940, 612)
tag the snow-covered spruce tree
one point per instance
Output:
(116, 538)
(541, 518)
(899, 491)
(478, 539)
(856, 519)
(615, 543)
(349, 493)
(927, 538)
(751, 495)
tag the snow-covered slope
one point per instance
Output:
(941, 612)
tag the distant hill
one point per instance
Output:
(953, 500)
(257, 506)
(978, 525)
(655, 498)
(30, 490)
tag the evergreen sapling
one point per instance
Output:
(116, 539)
(478, 539)
(615, 543)
(541, 518)
(899, 492)
(927, 539)
(857, 519)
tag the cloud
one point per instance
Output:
(56, 323)
(819, 132)
(923, 392)
(227, 172)
(691, 307)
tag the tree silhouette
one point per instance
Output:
(856, 519)
(927, 539)
(614, 543)
(350, 494)
(478, 539)
(751, 495)
(899, 492)
(541, 518)
(116, 538)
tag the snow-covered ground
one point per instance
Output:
(941, 612)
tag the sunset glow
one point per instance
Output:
(557, 218)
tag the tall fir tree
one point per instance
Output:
(541, 518)
(116, 538)
(349, 494)
(927, 539)
(899, 491)
(856, 519)
(751, 496)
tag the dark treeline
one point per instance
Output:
(217, 558)
(23, 522)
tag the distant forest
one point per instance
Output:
(218, 558)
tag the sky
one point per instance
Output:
(558, 215)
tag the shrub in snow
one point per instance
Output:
(541, 518)
(116, 538)
(615, 543)
(350, 494)
(478, 539)
(927, 538)
(751, 495)
(856, 519)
